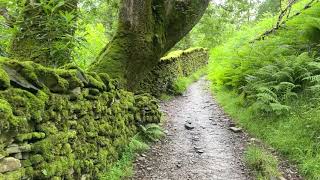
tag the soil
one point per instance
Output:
(199, 143)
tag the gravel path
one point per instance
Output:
(199, 144)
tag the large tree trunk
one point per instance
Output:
(45, 32)
(147, 30)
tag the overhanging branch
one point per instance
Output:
(280, 22)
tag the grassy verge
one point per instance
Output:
(296, 136)
(139, 143)
(262, 163)
(183, 83)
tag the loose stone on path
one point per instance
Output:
(200, 145)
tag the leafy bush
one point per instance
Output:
(272, 72)
(95, 39)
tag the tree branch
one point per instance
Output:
(282, 22)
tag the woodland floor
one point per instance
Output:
(207, 151)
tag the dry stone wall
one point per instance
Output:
(64, 123)
(176, 64)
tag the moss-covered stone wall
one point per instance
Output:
(176, 64)
(64, 123)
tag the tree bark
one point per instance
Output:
(147, 30)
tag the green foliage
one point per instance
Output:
(272, 72)
(139, 143)
(124, 167)
(221, 20)
(42, 31)
(271, 86)
(264, 164)
(182, 83)
(269, 6)
(151, 132)
(94, 41)
(212, 29)
(296, 135)
(70, 120)
(100, 12)
(175, 72)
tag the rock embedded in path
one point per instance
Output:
(200, 151)
(179, 165)
(232, 124)
(235, 129)
(189, 126)
(141, 159)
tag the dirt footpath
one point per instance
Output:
(199, 143)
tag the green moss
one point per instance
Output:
(71, 76)
(19, 174)
(36, 159)
(107, 81)
(6, 116)
(4, 80)
(174, 72)
(30, 136)
(175, 55)
(24, 70)
(70, 138)
(95, 81)
(172, 55)
(24, 103)
(114, 62)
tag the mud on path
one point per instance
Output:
(199, 144)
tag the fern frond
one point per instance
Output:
(266, 97)
(279, 108)
(313, 79)
(152, 132)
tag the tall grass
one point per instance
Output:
(263, 164)
(295, 135)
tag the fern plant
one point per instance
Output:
(151, 132)
(273, 87)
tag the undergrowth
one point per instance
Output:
(139, 143)
(263, 163)
(272, 86)
(295, 135)
(182, 83)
